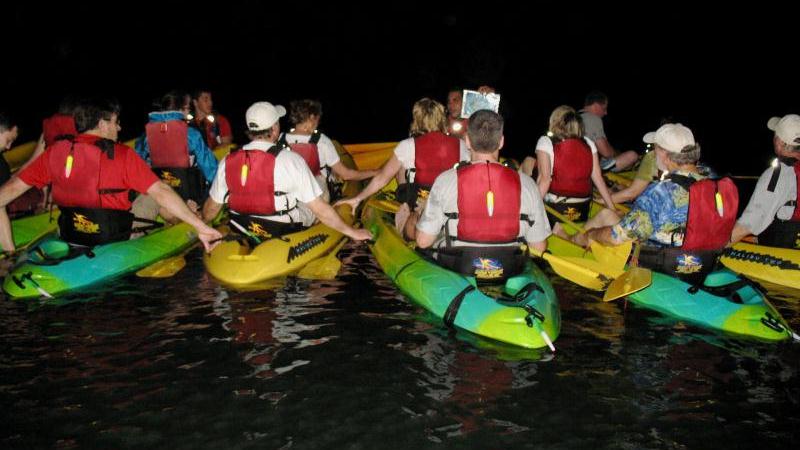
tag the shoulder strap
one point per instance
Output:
(681, 180)
(315, 137)
(773, 181)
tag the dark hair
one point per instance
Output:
(595, 97)
(301, 110)
(68, 105)
(485, 130)
(88, 113)
(6, 122)
(260, 134)
(171, 101)
(455, 89)
(200, 91)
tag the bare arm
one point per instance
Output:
(545, 177)
(739, 231)
(327, 215)
(210, 210)
(12, 189)
(389, 170)
(604, 148)
(346, 173)
(168, 199)
(600, 183)
(538, 246)
(631, 192)
(424, 240)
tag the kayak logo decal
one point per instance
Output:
(83, 225)
(760, 258)
(304, 246)
(688, 264)
(259, 231)
(572, 213)
(167, 177)
(487, 268)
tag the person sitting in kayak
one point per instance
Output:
(316, 148)
(270, 190)
(683, 221)
(29, 202)
(177, 153)
(648, 172)
(568, 165)
(416, 162)
(595, 107)
(773, 213)
(91, 177)
(480, 212)
(214, 126)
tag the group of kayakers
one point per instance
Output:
(460, 202)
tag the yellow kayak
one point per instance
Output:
(236, 264)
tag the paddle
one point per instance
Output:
(324, 268)
(633, 280)
(166, 267)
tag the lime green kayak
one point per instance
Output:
(525, 314)
(42, 277)
(29, 229)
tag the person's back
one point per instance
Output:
(177, 152)
(270, 189)
(483, 209)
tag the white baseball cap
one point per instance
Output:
(672, 137)
(261, 116)
(787, 128)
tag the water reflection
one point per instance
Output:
(350, 363)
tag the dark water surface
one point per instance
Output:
(185, 364)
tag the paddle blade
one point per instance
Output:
(613, 256)
(325, 268)
(635, 279)
(164, 268)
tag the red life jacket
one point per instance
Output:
(309, 151)
(58, 126)
(257, 195)
(169, 143)
(707, 227)
(572, 168)
(479, 218)
(434, 153)
(81, 185)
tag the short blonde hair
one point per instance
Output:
(565, 123)
(427, 115)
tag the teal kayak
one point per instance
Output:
(525, 313)
(40, 276)
(726, 302)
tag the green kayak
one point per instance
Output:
(525, 313)
(49, 276)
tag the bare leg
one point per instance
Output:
(625, 160)
(410, 229)
(604, 218)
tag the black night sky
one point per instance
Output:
(722, 73)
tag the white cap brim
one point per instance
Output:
(281, 110)
(773, 123)
(649, 138)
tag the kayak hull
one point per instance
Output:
(772, 264)
(108, 262)
(434, 288)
